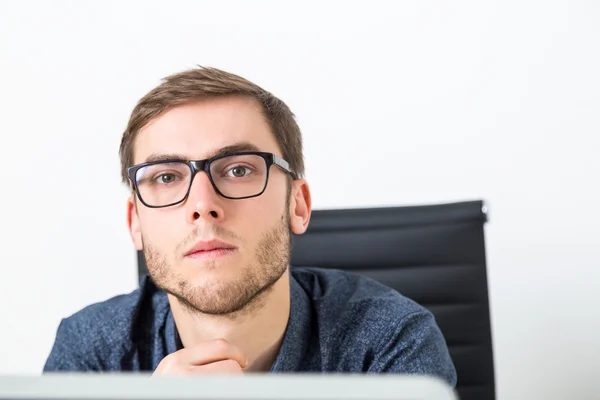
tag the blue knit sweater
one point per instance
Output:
(339, 322)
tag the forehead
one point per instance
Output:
(198, 129)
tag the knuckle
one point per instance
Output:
(225, 366)
(170, 361)
(233, 365)
(221, 345)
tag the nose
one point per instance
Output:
(203, 201)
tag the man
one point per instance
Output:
(215, 168)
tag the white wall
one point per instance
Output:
(400, 102)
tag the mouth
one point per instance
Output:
(204, 250)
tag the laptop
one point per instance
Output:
(130, 386)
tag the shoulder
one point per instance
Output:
(96, 335)
(339, 293)
(377, 328)
(347, 300)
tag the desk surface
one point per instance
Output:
(108, 386)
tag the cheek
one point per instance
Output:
(160, 228)
(260, 215)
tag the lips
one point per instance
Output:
(210, 249)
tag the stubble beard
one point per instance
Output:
(236, 297)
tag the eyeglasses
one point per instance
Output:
(236, 176)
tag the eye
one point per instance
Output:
(165, 178)
(239, 172)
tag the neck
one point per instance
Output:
(258, 331)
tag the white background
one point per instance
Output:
(400, 103)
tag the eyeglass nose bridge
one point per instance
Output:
(197, 166)
(201, 165)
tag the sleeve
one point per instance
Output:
(69, 352)
(416, 346)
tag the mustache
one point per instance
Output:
(204, 232)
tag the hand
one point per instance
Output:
(214, 356)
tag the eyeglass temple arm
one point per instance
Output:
(284, 165)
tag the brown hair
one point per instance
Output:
(199, 83)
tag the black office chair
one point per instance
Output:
(433, 254)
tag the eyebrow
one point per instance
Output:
(224, 151)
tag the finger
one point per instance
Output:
(219, 367)
(210, 352)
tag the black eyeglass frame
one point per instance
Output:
(204, 165)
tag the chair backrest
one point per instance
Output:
(433, 254)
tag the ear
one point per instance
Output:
(133, 223)
(300, 206)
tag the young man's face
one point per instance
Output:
(258, 229)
